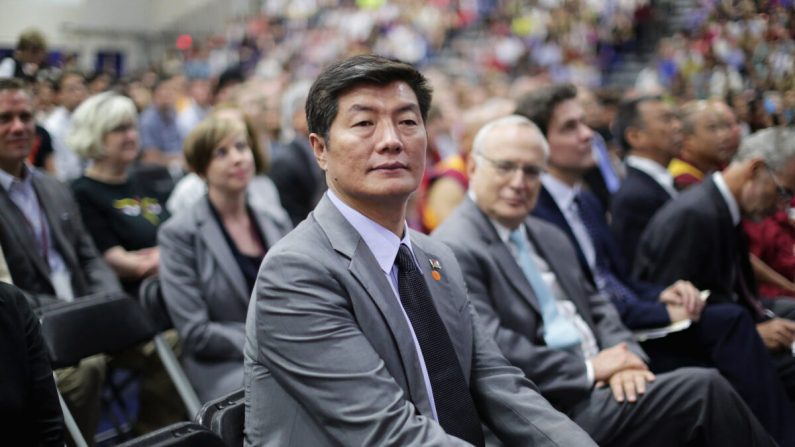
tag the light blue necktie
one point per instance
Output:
(558, 332)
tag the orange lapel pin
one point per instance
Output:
(436, 268)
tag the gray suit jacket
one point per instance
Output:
(29, 270)
(510, 311)
(330, 358)
(206, 295)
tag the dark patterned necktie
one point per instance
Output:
(610, 284)
(454, 405)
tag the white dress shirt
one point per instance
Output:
(564, 196)
(656, 171)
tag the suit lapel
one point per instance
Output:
(54, 222)
(499, 252)
(215, 241)
(364, 268)
(21, 232)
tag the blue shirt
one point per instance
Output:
(385, 245)
(159, 131)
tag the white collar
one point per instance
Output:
(731, 202)
(562, 193)
(383, 243)
(654, 170)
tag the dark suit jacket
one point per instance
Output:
(30, 413)
(693, 238)
(632, 207)
(646, 312)
(510, 311)
(30, 272)
(330, 358)
(298, 179)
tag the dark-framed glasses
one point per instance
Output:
(506, 168)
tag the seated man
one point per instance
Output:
(48, 251)
(699, 237)
(650, 132)
(722, 333)
(526, 284)
(359, 330)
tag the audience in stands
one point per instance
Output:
(523, 277)
(211, 253)
(30, 410)
(121, 212)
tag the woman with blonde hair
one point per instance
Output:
(121, 213)
(211, 253)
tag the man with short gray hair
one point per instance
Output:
(698, 237)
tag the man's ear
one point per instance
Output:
(633, 135)
(472, 164)
(756, 167)
(319, 148)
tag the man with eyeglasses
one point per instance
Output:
(523, 276)
(699, 237)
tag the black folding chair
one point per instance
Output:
(225, 417)
(188, 434)
(100, 324)
(150, 297)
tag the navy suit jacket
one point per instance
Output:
(632, 207)
(644, 312)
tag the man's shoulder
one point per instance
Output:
(461, 224)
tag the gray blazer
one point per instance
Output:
(329, 357)
(206, 295)
(510, 311)
(29, 270)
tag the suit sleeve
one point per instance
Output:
(311, 341)
(186, 303)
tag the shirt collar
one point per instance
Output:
(7, 180)
(731, 202)
(383, 243)
(562, 193)
(654, 170)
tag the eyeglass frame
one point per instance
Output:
(507, 168)
(785, 194)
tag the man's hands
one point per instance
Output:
(683, 301)
(777, 334)
(625, 372)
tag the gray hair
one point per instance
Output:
(479, 143)
(775, 145)
(94, 118)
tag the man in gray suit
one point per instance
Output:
(359, 331)
(48, 251)
(525, 281)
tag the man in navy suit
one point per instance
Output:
(649, 130)
(720, 334)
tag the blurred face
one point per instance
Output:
(768, 190)
(569, 140)
(73, 91)
(231, 167)
(121, 144)
(375, 153)
(661, 129)
(17, 130)
(506, 177)
(711, 140)
(735, 133)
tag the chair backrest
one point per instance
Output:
(188, 434)
(150, 297)
(225, 417)
(107, 323)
